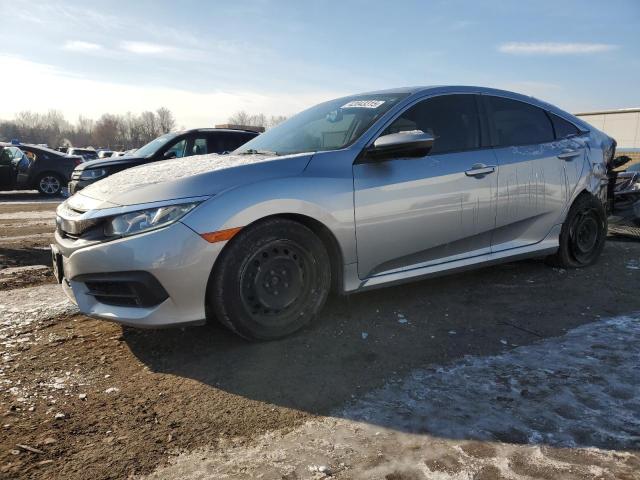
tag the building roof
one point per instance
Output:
(605, 112)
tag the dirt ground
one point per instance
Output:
(81, 398)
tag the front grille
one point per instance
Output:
(68, 221)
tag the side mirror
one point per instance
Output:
(415, 143)
(169, 155)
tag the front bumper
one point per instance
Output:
(178, 258)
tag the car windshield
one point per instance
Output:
(154, 145)
(329, 126)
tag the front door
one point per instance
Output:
(414, 212)
(7, 172)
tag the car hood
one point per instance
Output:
(108, 162)
(194, 176)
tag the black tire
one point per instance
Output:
(583, 234)
(271, 280)
(49, 184)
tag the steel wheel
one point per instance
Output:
(275, 280)
(271, 280)
(583, 234)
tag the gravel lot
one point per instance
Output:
(514, 371)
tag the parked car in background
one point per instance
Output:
(30, 167)
(352, 194)
(171, 145)
(628, 183)
(86, 153)
(105, 153)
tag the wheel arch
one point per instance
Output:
(322, 231)
(36, 176)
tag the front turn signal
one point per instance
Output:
(220, 235)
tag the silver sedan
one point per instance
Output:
(352, 194)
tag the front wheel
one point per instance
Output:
(271, 280)
(49, 184)
(583, 234)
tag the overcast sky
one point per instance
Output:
(207, 60)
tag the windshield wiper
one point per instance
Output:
(253, 151)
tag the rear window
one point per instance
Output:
(518, 123)
(563, 128)
(221, 142)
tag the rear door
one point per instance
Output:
(414, 212)
(571, 142)
(533, 185)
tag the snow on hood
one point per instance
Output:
(192, 176)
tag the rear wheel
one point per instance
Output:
(49, 184)
(583, 234)
(271, 280)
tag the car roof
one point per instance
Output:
(444, 89)
(212, 129)
(417, 91)
(41, 148)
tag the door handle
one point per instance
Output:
(480, 169)
(568, 154)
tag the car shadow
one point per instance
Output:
(363, 341)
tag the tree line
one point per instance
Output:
(114, 131)
(256, 120)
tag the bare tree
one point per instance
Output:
(166, 121)
(107, 130)
(82, 133)
(149, 126)
(241, 118)
(275, 120)
(257, 120)
(113, 131)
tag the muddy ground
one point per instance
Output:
(81, 398)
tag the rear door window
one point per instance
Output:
(221, 142)
(452, 119)
(231, 141)
(563, 128)
(518, 123)
(200, 146)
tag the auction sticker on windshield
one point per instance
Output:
(363, 104)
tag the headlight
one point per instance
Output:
(92, 174)
(144, 220)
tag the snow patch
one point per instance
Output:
(480, 417)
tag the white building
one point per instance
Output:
(623, 125)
